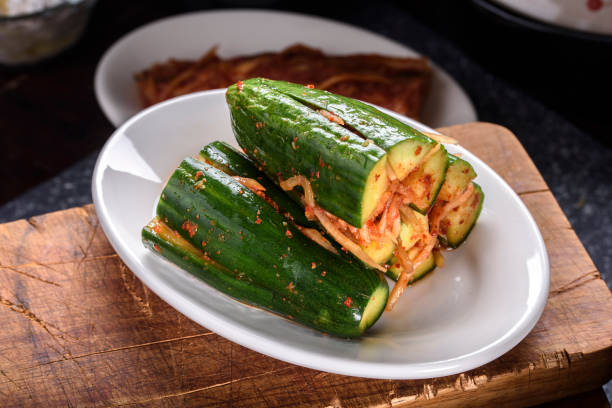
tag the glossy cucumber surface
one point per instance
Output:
(238, 243)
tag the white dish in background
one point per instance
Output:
(243, 32)
(592, 17)
(485, 300)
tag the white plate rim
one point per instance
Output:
(280, 351)
(104, 96)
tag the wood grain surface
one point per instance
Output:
(79, 329)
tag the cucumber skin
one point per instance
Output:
(293, 288)
(384, 130)
(229, 160)
(296, 140)
(434, 193)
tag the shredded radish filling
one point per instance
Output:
(303, 182)
(407, 270)
(438, 257)
(332, 117)
(250, 183)
(343, 240)
(316, 236)
(409, 218)
(440, 211)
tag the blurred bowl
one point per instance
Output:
(29, 38)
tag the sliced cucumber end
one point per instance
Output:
(404, 156)
(375, 306)
(462, 221)
(425, 268)
(376, 185)
(428, 180)
(380, 251)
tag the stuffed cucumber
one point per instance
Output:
(363, 175)
(218, 228)
(459, 203)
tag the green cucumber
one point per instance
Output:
(409, 238)
(287, 138)
(458, 176)
(457, 225)
(405, 145)
(426, 267)
(229, 160)
(239, 244)
(346, 167)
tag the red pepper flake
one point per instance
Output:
(190, 227)
(279, 175)
(288, 234)
(239, 85)
(418, 151)
(157, 228)
(203, 243)
(348, 302)
(310, 86)
(397, 265)
(321, 162)
(198, 174)
(323, 273)
(376, 177)
(475, 201)
(157, 248)
(290, 286)
(344, 138)
(255, 151)
(317, 173)
(258, 220)
(218, 252)
(466, 171)
(313, 265)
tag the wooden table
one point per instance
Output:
(79, 329)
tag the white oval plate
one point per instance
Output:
(241, 32)
(487, 297)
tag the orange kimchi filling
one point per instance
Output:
(385, 223)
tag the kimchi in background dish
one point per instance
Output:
(399, 84)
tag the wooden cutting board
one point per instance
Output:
(79, 329)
